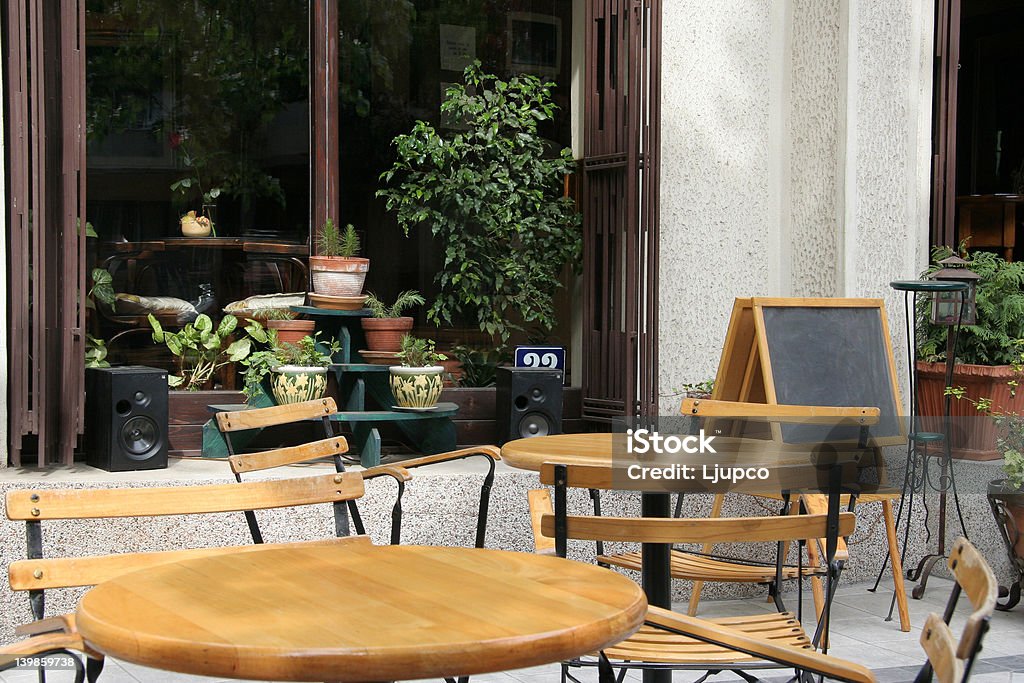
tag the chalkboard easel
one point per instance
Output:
(813, 352)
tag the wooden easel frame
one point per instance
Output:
(745, 375)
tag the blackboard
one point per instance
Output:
(831, 356)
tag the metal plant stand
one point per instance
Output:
(1000, 495)
(919, 474)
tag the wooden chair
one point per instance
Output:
(254, 418)
(706, 566)
(950, 660)
(38, 573)
(759, 641)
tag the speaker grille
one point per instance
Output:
(534, 424)
(139, 436)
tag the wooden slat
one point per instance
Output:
(720, 530)
(781, 413)
(181, 500)
(799, 658)
(69, 572)
(940, 646)
(491, 451)
(278, 457)
(975, 576)
(694, 567)
(276, 415)
(540, 505)
(47, 642)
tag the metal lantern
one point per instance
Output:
(946, 304)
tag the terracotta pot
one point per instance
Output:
(385, 334)
(337, 275)
(974, 435)
(291, 331)
(416, 387)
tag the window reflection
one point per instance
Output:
(196, 107)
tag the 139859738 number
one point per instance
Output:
(52, 661)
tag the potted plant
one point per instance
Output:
(384, 331)
(987, 356)
(1010, 491)
(337, 270)
(297, 372)
(288, 329)
(201, 349)
(494, 198)
(416, 383)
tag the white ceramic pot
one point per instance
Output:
(337, 276)
(416, 387)
(298, 383)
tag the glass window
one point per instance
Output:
(196, 107)
(397, 59)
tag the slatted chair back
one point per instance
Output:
(951, 660)
(38, 573)
(229, 422)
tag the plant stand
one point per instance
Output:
(919, 475)
(429, 431)
(1000, 497)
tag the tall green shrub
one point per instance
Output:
(491, 195)
(995, 338)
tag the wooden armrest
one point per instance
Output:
(397, 471)
(805, 659)
(540, 505)
(704, 407)
(492, 451)
(43, 643)
(65, 623)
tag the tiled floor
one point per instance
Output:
(858, 633)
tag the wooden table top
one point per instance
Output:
(789, 464)
(357, 612)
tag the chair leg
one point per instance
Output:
(698, 586)
(897, 565)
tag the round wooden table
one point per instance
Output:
(357, 612)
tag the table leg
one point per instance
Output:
(655, 576)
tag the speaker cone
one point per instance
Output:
(534, 424)
(139, 436)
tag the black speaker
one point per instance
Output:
(126, 418)
(528, 402)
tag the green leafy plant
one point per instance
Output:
(419, 353)
(102, 289)
(1009, 424)
(276, 314)
(309, 352)
(201, 349)
(994, 338)
(192, 184)
(493, 197)
(479, 365)
(95, 352)
(332, 241)
(405, 300)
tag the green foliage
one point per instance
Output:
(201, 348)
(479, 365)
(1009, 425)
(309, 352)
(419, 353)
(1014, 468)
(331, 241)
(995, 338)
(95, 352)
(276, 314)
(405, 300)
(102, 289)
(493, 198)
